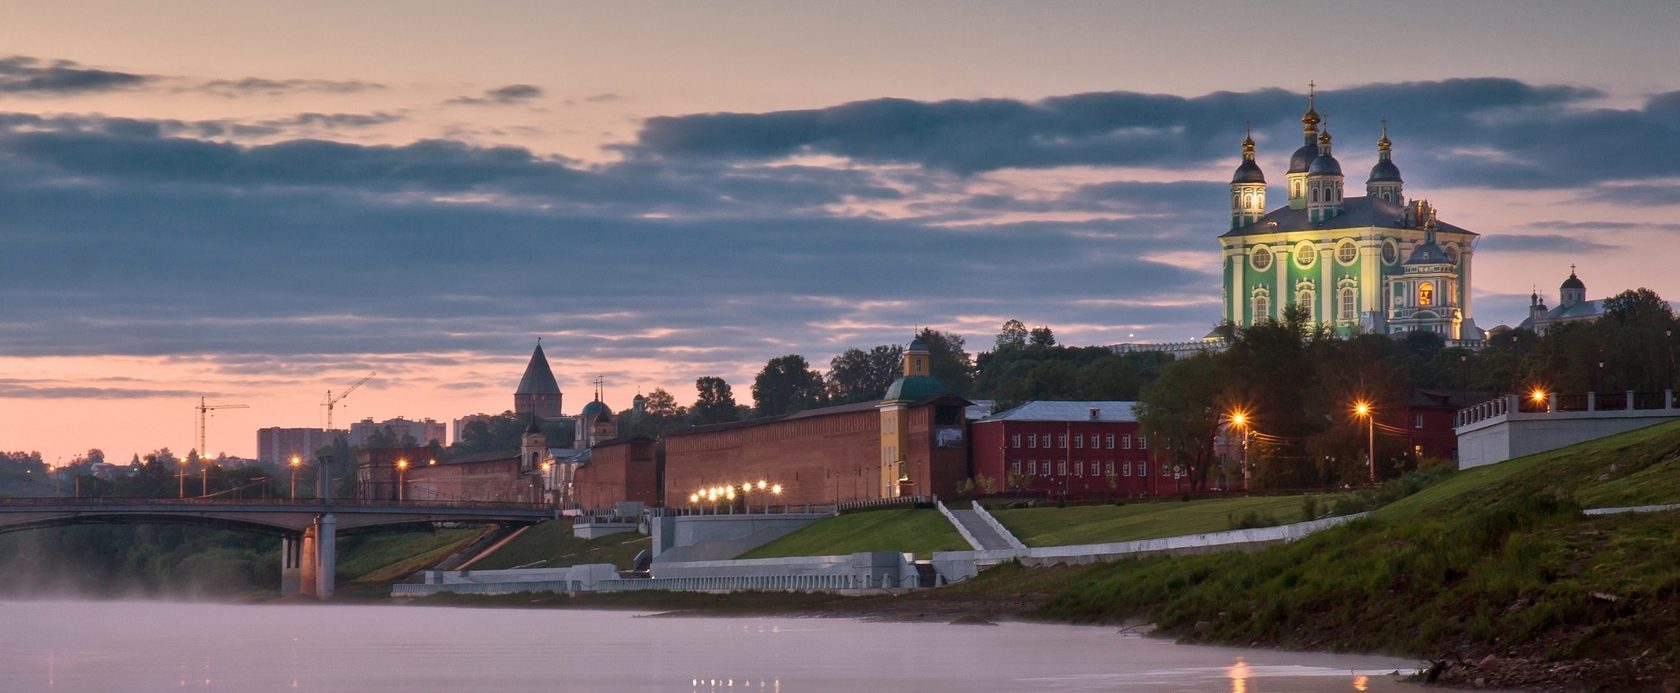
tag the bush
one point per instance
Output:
(1252, 520)
(1309, 508)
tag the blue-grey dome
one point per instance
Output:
(596, 408)
(1384, 172)
(1248, 172)
(1325, 165)
(1302, 158)
(1573, 282)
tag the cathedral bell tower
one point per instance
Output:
(1324, 182)
(1303, 157)
(1385, 183)
(1248, 188)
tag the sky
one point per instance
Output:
(255, 204)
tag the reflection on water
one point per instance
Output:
(140, 646)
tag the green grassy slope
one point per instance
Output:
(1494, 560)
(1096, 524)
(915, 531)
(551, 545)
(386, 556)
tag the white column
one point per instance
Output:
(1239, 295)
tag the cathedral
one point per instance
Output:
(1375, 263)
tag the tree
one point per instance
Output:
(857, 375)
(1012, 336)
(1639, 306)
(1182, 411)
(786, 384)
(715, 402)
(1041, 336)
(662, 406)
(947, 360)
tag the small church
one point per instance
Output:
(1572, 306)
(1377, 263)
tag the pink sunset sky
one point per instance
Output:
(256, 204)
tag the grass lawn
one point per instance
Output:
(902, 530)
(551, 545)
(1495, 559)
(383, 557)
(1096, 524)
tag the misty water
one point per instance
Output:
(155, 646)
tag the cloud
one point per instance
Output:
(32, 76)
(1484, 132)
(510, 94)
(1542, 243)
(718, 239)
(263, 86)
(1605, 226)
(1647, 195)
(15, 388)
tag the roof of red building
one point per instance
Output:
(852, 408)
(1066, 411)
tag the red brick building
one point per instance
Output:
(623, 469)
(380, 471)
(1071, 449)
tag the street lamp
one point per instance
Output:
(402, 472)
(296, 462)
(1239, 420)
(1363, 408)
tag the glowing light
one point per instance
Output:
(761, 484)
(1362, 408)
(297, 461)
(402, 463)
(746, 488)
(1361, 683)
(1239, 419)
(431, 463)
(1538, 395)
(776, 489)
(694, 498)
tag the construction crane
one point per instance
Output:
(332, 401)
(203, 420)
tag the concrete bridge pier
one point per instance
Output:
(317, 558)
(291, 565)
(326, 554)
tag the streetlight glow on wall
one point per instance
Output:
(1363, 408)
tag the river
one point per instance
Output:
(156, 646)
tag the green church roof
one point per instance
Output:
(914, 387)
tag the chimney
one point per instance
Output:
(1096, 414)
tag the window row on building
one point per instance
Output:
(1098, 441)
(1080, 468)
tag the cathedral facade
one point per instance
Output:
(1376, 262)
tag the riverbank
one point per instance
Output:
(1492, 573)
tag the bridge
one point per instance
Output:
(308, 529)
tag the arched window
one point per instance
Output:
(1261, 305)
(1304, 254)
(1390, 253)
(1235, 199)
(1426, 294)
(1349, 300)
(1315, 193)
(1304, 298)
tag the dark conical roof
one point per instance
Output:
(538, 380)
(1573, 282)
(533, 428)
(1248, 172)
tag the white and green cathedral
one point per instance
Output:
(1374, 263)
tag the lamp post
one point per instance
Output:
(402, 473)
(1239, 419)
(203, 478)
(296, 462)
(1363, 408)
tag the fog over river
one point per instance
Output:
(157, 646)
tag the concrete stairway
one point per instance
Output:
(980, 533)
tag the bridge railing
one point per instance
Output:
(46, 501)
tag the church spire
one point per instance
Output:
(1303, 157)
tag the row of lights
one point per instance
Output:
(728, 492)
